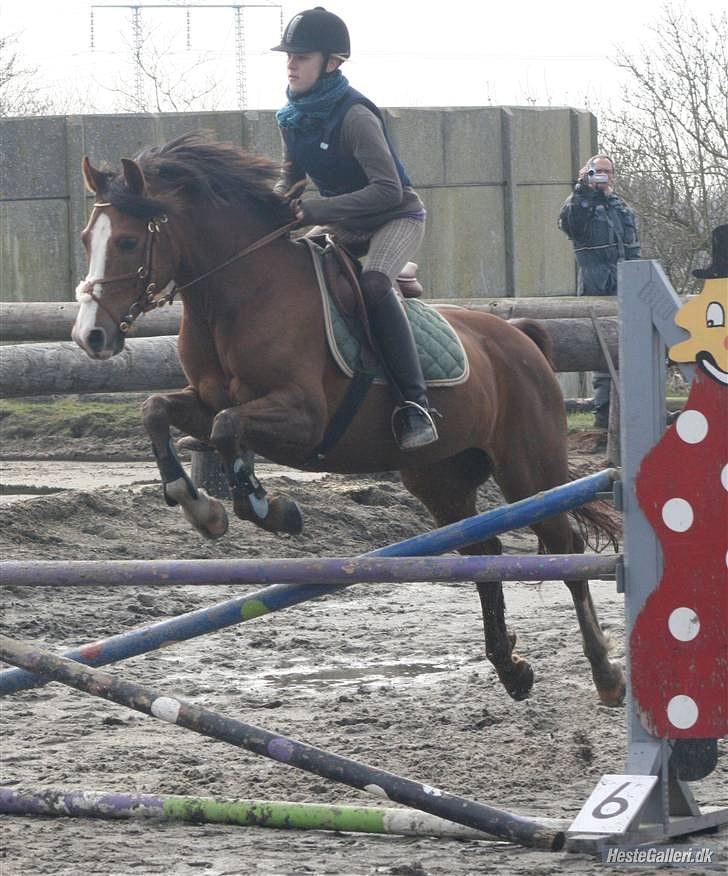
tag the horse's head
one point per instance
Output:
(129, 257)
(220, 199)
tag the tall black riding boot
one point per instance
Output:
(412, 422)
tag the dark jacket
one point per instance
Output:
(603, 231)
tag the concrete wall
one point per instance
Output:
(492, 179)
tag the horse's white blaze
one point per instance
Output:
(100, 236)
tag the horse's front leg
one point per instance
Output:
(285, 422)
(183, 410)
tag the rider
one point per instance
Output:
(337, 137)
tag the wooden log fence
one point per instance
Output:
(152, 364)
(22, 322)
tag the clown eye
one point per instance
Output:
(715, 315)
(127, 244)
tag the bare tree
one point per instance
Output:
(670, 139)
(18, 95)
(166, 86)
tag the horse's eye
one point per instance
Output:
(127, 244)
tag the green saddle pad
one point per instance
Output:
(443, 359)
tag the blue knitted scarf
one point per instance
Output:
(308, 111)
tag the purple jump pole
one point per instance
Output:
(505, 825)
(333, 570)
(278, 596)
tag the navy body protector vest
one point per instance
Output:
(319, 152)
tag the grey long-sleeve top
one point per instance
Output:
(381, 200)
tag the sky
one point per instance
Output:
(404, 52)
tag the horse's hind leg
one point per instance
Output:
(184, 411)
(556, 536)
(448, 490)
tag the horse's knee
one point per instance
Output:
(154, 413)
(225, 428)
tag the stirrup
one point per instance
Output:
(417, 432)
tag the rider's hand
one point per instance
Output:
(295, 190)
(297, 209)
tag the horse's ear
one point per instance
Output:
(133, 176)
(95, 180)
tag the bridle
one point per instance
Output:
(149, 297)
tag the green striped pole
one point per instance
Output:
(243, 813)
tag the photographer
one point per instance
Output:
(603, 231)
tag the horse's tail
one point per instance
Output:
(538, 333)
(597, 522)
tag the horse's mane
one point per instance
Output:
(196, 170)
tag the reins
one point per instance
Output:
(147, 299)
(258, 244)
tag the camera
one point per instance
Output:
(596, 177)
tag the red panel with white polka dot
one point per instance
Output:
(679, 643)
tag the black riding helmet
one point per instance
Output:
(315, 30)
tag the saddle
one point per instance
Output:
(341, 273)
(350, 340)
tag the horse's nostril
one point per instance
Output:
(96, 339)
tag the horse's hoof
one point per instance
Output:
(284, 516)
(274, 514)
(518, 679)
(207, 515)
(613, 688)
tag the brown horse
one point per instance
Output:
(197, 216)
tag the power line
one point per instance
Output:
(238, 10)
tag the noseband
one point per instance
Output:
(149, 298)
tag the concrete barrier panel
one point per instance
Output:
(32, 158)
(34, 256)
(463, 253)
(489, 233)
(260, 134)
(473, 146)
(419, 138)
(543, 260)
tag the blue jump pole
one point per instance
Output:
(278, 596)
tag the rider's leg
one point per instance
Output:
(390, 249)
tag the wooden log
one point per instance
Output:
(152, 363)
(21, 322)
(62, 369)
(576, 347)
(562, 307)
